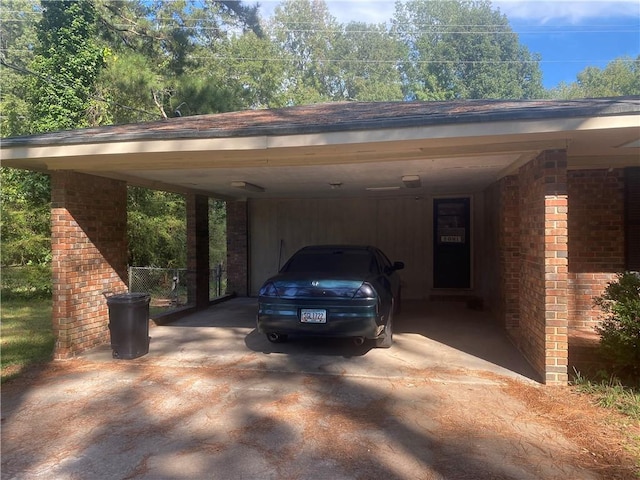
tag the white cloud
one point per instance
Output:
(571, 11)
(534, 11)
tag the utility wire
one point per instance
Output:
(423, 28)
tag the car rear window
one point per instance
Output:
(336, 261)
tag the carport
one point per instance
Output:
(524, 208)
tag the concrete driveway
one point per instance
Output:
(214, 399)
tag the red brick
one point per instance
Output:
(88, 243)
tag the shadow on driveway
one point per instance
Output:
(214, 399)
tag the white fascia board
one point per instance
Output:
(453, 131)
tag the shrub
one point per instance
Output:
(620, 327)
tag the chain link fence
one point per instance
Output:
(168, 286)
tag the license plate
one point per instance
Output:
(313, 315)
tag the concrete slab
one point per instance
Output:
(434, 336)
(215, 400)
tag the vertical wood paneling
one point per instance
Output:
(399, 226)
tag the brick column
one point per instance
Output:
(509, 248)
(89, 248)
(543, 273)
(237, 248)
(198, 250)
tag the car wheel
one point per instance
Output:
(274, 337)
(387, 340)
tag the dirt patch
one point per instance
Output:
(609, 441)
(140, 421)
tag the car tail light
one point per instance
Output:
(268, 290)
(365, 291)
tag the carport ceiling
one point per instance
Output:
(343, 149)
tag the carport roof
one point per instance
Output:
(335, 117)
(343, 149)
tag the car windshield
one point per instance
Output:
(332, 261)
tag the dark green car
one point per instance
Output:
(332, 291)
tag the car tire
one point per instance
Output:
(387, 340)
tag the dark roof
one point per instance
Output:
(336, 117)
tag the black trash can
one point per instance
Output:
(129, 324)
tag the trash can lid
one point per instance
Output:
(129, 298)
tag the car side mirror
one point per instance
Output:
(396, 266)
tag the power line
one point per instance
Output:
(164, 21)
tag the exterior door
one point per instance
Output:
(451, 243)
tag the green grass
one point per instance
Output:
(26, 336)
(611, 393)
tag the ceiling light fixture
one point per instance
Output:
(248, 186)
(411, 181)
(381, 189)
(335, 185)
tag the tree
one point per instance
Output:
(463, 49)
(177, 47)
(24, 218)
(254, 65)
(304, 32)
(325, 60)
(18, 19)
(619, 78)
(156, 228)
(367, 59)
(68, 60)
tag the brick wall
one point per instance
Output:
(596, 239)
(89, 247)
(509, 245)
(237, 248)
(543, 265)
(501, 253)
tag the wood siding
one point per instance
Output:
(400, 226)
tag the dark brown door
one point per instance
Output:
(451, 243)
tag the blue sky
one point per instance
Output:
(569, 35)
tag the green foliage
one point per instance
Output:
(217, 232)
(620, 327)
(24, 218)
(167, 56)
(156, 228)
(26, 334)
(127, 82)
(611, 393)
(18, 20)
(305, 32)
(26, 282)
(67, 64)
(463, 49)
(365, 69)
(254, 71)
(619, 78)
